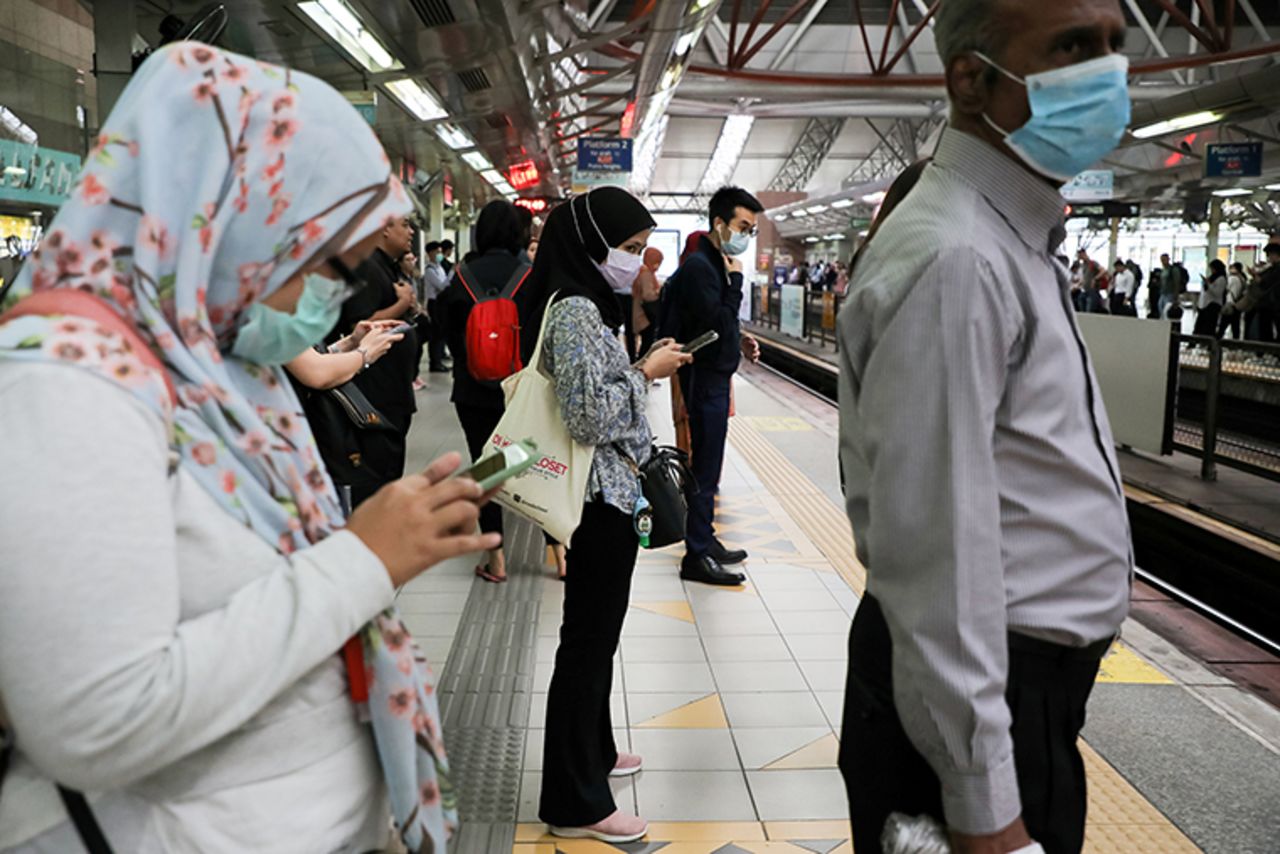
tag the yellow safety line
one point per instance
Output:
(824, 524)
(1200, 520)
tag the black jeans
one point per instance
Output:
(435, 336)
(478, 423)
(1047, 690)
(579, 748)
(707, 400)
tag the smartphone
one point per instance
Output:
(400, 329)
(499, 467)
(701, 341)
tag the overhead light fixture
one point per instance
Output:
(477, 161)
(728, 151)
(816, 209)
(1231, 192)
(841, 204)
(833, 236)
(14, 170)
(811, 239)
(1177, 123)
(455, 137)
(344, 26)
(645, 160)
(493, 176)
(505, 188)
(1272, 187)
(778, 217)
(874, 198)
(417, 99)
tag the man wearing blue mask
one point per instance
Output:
(704, 295)
(982, 482)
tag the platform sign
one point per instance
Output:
(35, 174)
(1093, 185)
(366, 104)
(604, 154)
(1233, 160)
(793, 310)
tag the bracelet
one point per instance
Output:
(364, 357)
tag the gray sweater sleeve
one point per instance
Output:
(104, 679)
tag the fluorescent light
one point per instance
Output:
(493, 176)
(841, 204)
(1232, 191)
(341, 23)
(505, 188)
(14, 170)
(874, 198)
(835, 236)
(1272, 187)
(728, 151)
(1177, 123)
(454, 137)
(647, 148)
(816, 209)
(778, 217)
(417, 99)
(477, 161)
(811, 239)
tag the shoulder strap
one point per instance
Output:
(95, 841)
(517, 280)
(458, 271)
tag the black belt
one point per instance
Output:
(1059, 652)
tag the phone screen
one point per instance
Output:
(701, 341)
(486, 468)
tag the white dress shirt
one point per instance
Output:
(1123, 283)
(982, 480)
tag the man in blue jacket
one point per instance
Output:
(705, 295)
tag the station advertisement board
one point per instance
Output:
(1092, 185)
(35, 174)
(1233, 160)
(792, 318)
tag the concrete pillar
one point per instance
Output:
(1114, 244)
(1215, 226)
(114, 26)
(435, 209)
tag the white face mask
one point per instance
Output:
(619, 268)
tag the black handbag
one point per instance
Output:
(352, 436)
(667, 482)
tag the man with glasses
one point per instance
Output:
(704, 295)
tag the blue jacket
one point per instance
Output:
(700, 296)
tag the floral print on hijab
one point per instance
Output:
(216, 179)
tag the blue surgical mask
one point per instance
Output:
(736, 244)
(271, 337)
(1079, 113)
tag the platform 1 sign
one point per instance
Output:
(1093, 185)
(793, 310)
(604, 154)
(1233, 160)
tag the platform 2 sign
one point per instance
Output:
(1233, 160)
(604, 154)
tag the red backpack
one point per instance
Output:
(493, 327)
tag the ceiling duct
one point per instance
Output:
(660, 67)
(475, 80)
(1238, 98)
(434, 13)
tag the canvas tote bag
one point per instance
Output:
(552, 492)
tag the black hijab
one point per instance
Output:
(576, 234)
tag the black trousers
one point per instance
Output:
(579, 751)
(478, 423)
(1047, 690)
(435, 337)
(707, 401)
(1231, 322)
(1207, 320)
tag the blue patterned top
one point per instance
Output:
(602, 398)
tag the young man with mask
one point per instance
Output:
(388, 383)
(704, 295)
(434, 280)
(982, 481)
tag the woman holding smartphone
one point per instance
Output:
(591, 250)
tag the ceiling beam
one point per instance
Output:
(815, 142)
(815, 9)
(1153, 36)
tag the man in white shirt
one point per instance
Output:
(1123, 285)
(981, 474)
(434, 281)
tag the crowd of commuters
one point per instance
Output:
(225, 641)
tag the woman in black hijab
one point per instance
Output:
(590, 249)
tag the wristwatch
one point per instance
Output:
(364, 355)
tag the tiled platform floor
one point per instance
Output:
(733, 696)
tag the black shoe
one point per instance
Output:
(708, 570)
(438, 369)
(726, 557)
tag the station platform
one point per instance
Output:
(733, 695)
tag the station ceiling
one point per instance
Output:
(804, 96)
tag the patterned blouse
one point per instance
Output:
(602, 398)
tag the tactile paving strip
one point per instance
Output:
(485, 693)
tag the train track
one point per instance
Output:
(1225, 578)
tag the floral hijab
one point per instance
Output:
(216, 179)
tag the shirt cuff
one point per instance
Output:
(346, 562)
(983, 803)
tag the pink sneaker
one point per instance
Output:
(419, 384)
(617, 828)
(627, 764)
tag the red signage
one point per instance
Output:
(628, 120)
(535, 205)
(523, 175)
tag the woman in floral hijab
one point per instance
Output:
(182, 660)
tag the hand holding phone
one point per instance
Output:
(701, 341)
(497, 468)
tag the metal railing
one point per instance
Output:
(818, 316)
(1228, 404)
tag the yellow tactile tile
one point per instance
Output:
(694, 847)
(778, 424)
(533, 848)
(784, 830)
(1136, 839)
(707, 713)
(718, 832)
(820, 753)
(585, 846)
(678, 610)
(1123, 665)
(771, 847)
(533, 832)
(1112, 799)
